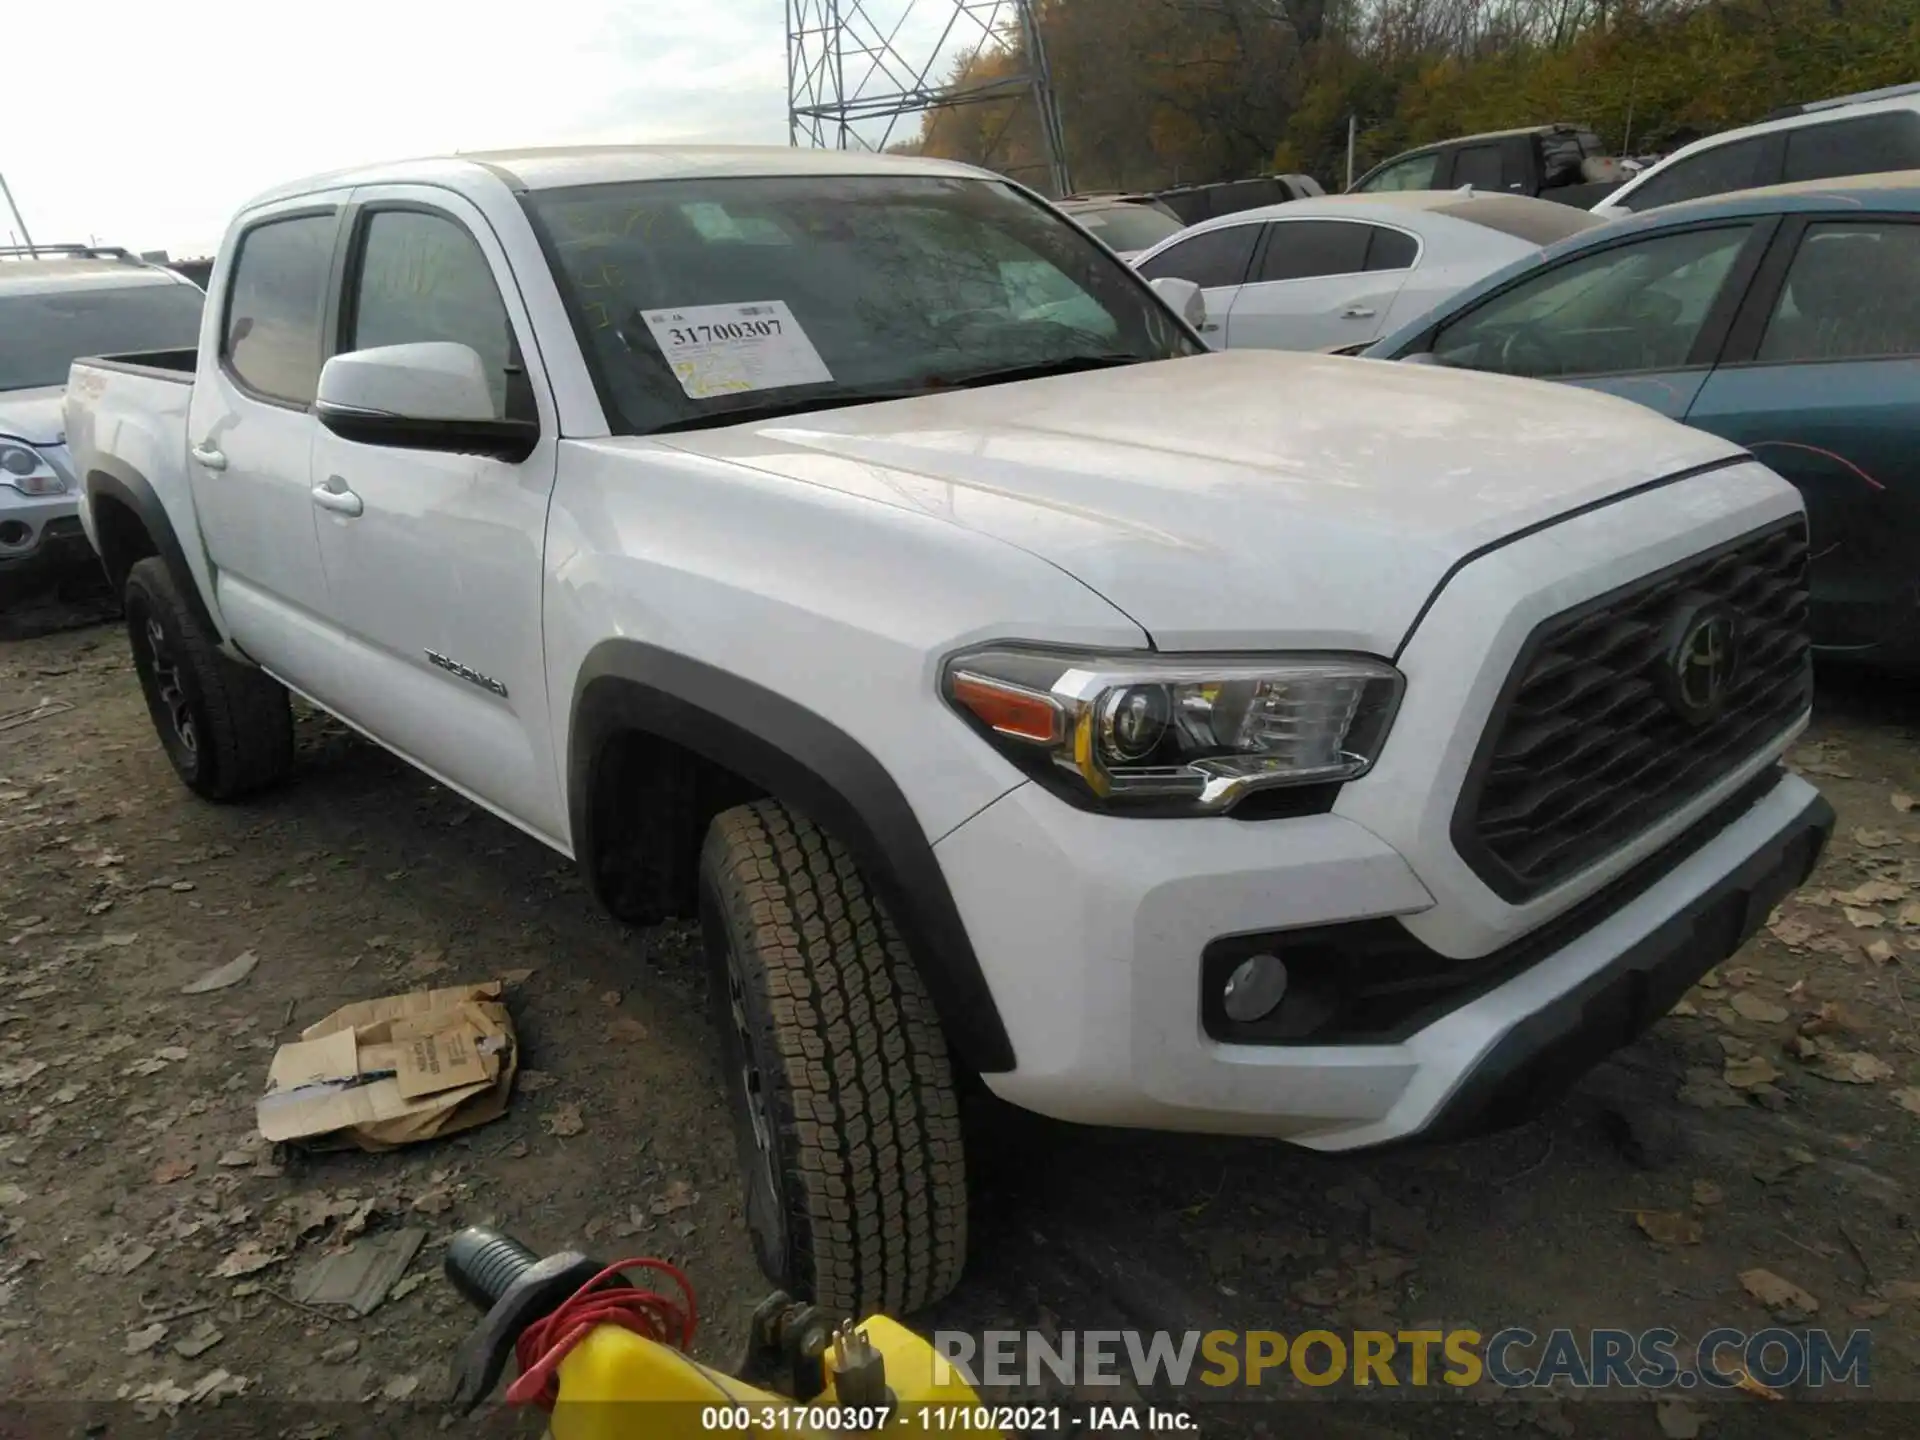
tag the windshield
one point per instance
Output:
(705, 301)
(42, 332)
(1126, 227)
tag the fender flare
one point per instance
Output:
(121, 482)
(789, 751)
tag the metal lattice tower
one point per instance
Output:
(856, 68)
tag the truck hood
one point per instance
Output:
(1242, 498)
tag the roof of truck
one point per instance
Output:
(558, 166)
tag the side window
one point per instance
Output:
(1852, 293)
(271, 339)
(1211, 259)
(1416, 172)
(423, 277)
(1866, 146)
(1711, 172)
(1391, 249)
(1302, 249)
(1626, 308)
(1478, 166)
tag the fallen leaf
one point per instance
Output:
(677, 1196)
(13, 1076)
(436, 1201)
(1709, 981)
(1805, 1047)
(1909, 916)
(1908, 1100)
(120, 942)
(1776, 1292)
(222, 976)
(609, 997)
(1749, 1072)
(1850, 1067)
(1684, 1007)
(1881, 951)
(1904, 802)
(1669, 1227)
(171, 1052)
(168, 1171)
(245, 1259)
(400, 1387)
(145, 1338)
(1830, 1018)
(215, 1386)
(624, 1029)
(1874, 839)
(1678, 1420)
(1868, 1309)
(533, 1080)
(197, 1341)
(516, 977)
(120, 1256)
(11, 1194)
(406, 1286)
(1705, 1192)
(1752, 1007)
(1863, 919)
(1872, 892)
(340, 1353)
(1744, 1381)
(563, 1121)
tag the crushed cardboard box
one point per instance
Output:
(383, 1073)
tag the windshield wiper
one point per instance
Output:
(928, 385)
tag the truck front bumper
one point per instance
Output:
(1094, 935)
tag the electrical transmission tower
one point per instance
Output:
(856, 68)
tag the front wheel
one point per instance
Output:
(227, 728)
(844, 1108)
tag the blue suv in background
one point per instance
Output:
(1787, 319)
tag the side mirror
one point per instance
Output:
(1184, 296)
(1419, 357)
(427, 396)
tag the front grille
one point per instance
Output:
(1587, 748)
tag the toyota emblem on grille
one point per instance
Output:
(1702, 660)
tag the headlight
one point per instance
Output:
(27, 470)
(1188, 734)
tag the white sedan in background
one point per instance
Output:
(1339, 271)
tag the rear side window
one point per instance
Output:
(1852, 293)
(1303, 249)
(422, 277)
(1865, 146)
(1478, 166)
(271, 342)
(1211, 259)
(1734, 166)
(1391, 249)
(1416, 172)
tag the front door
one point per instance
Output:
(1313, 286)
(1825, 389)
(1216, 260)
(250, 434)
(434, 561)
(1641, 320)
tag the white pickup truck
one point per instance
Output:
(849, 551)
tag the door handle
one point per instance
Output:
(1357, 312)
(209, 456)
(1208, 326)
(333, 494)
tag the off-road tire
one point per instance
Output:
(227, 728)
(856, 1187)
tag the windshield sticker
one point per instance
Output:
(731, 349)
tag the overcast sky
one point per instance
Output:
(146, 123)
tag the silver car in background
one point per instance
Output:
(57, 303)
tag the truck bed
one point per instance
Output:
(176, 366)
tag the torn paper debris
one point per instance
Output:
(382, 1073)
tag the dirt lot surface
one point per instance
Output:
(1753, 1161)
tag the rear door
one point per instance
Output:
(434, 568)
(1868, 145)
(1644, 319)
(1821, 380)
(1217, 261)
(1320, 283)
(250, 433)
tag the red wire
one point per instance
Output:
(545, 1343)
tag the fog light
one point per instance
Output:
(1257, 985)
